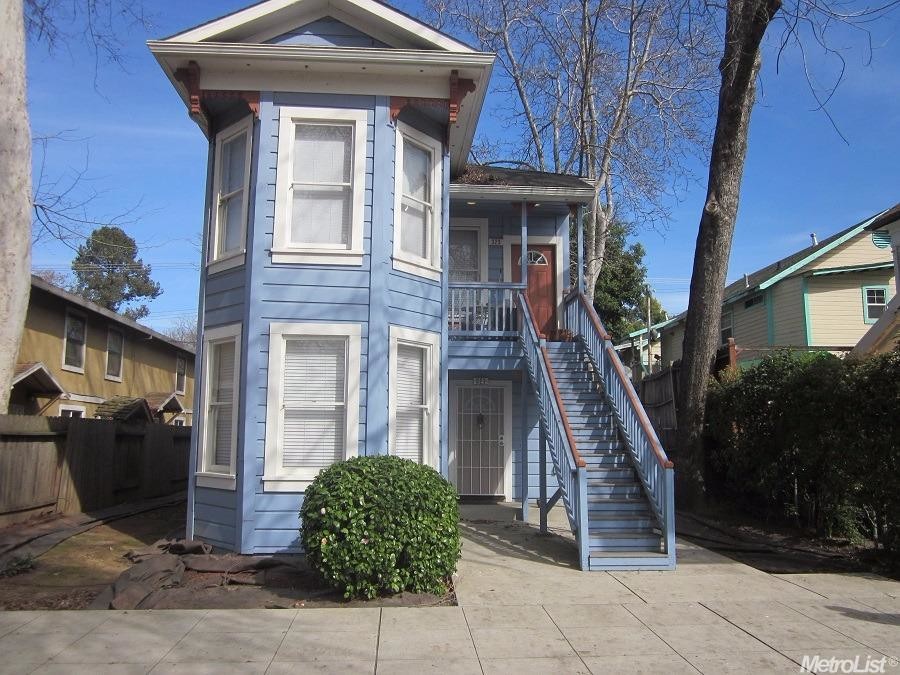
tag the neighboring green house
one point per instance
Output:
(825, 296)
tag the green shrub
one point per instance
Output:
(382, 524)
(811, 438)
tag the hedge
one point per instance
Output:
(813, 438)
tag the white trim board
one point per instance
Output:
(556, 240)
(506, 385)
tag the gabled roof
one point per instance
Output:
(36, 377)
(269, 18)
(160, 401)
(885, 218)
(124, 408)
(78, 301)
(773, 273)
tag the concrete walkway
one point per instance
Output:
(524, 608)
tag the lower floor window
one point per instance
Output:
(312, 416)
(414, 386)
(875, 300)
(221, 381)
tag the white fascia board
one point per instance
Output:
(520, 193)
(376, 12)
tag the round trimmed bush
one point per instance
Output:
(381, 524)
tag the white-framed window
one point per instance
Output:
(415, 368)
(178, 422)
(221, 387)
(115, 348)
(417, 203)
(726, 326)
(180, 374)
(312, 417)
(320, 187)
(74, 342)
(874, 301)
(231, 191)
(468, 250)
(66, 410)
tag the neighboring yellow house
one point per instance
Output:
(826, 296)
(884, 335)
(78, 359)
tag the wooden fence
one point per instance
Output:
(72, 465)
(659, 393)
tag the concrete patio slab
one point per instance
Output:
(321, 645)
(670, 664)
(508, 643)
(438, 667)
(571, 665)
(435, 643)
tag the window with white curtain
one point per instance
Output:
(312, 401)
(417, 203)
(115, 343)
(414, 384)
(464, 256)
(231, 180)
(320, 186)
(221, 377)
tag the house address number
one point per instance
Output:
(480, 380)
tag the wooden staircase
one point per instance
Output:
(621, 525)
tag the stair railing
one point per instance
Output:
(569, 467)
(654, 468)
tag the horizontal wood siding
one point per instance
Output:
(671, 340)
(224, 300)
(750, 325)
(860, 250)
(787, 313)
(292, 293)
(215, 514)
(327, 32)
(836, 306)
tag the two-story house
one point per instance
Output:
(825, 296)
(365, 291)
(78, 359)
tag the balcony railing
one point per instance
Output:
(483, 311)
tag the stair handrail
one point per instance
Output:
(655, 469)
(568, 464)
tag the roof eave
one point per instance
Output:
(520, 193)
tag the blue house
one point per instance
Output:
(366, 291)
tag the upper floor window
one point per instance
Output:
(417, 203)
(231, 185)
(726, 327)
(115, 343)
(74, 342)
(180, 373)
(312, 401)
(757, 299)
(874, 302)
(221, 353)
(320, 186)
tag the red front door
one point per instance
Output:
(541, 283)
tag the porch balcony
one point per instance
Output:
(483, 311)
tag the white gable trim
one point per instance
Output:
(348, 8)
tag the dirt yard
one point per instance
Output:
(72, 574)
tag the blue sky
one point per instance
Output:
(143, 154)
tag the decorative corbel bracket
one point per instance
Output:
(459, 87)
(190, 78)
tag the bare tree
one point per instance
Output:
(746, 23)
(15, 192)
(52, 276)
(184, 330)
(614, 90)
(52, 23)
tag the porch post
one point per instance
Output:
(542, 467)
(523, 450)
(578, 213)
(523, 263)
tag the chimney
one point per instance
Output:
(815, 239)
(746, 281)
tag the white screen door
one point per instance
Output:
(480, 450)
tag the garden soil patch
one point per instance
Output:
(79, 573)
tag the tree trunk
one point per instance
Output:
(15, 192)
(746, 24)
